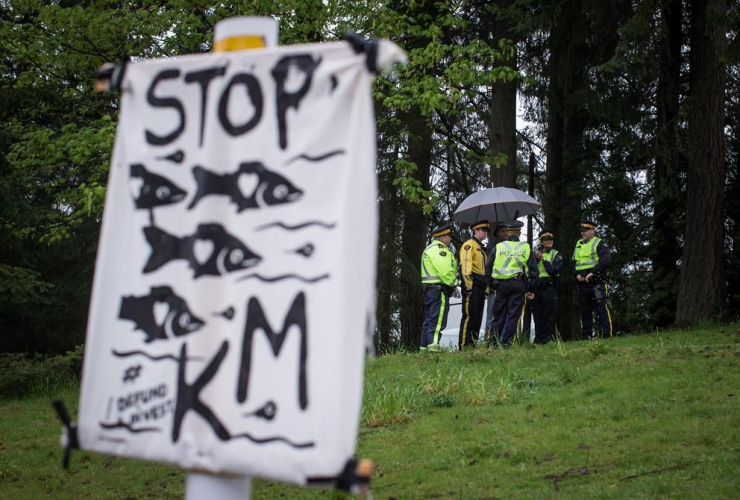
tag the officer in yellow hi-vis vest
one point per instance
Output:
(473, 276)
(438, 281)
(501, 234)
(514, 276)
(545, 301)
(590, 259)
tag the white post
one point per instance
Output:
(199, 486)
(235, 33)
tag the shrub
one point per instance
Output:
(22, 375)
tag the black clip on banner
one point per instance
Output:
(368, 47)
(71, 429)
(355, 478)
(110, 75)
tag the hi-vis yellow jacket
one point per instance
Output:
(473, 263)
(438, 265)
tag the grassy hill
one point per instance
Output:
(651, 416)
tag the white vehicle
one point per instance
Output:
(451, 334)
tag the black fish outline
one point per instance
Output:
(229, 253)
(271, 188)
(131, 373)
(306, 250)
(229, 313)
(178, 321)
(156, 190)
(176, 157)
(268, 411)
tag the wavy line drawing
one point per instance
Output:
(326, 225)
(316, 158)
(153, 358)
(121, 424)
(273, 439)
(283, 277)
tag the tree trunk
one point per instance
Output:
(702, 284)
(502, 124)
(530, 240)
(415, 224)
(665, 252)
(386, 262)
(565, 168)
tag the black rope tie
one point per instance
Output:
(354, 478)
(367, 47)
(70, 427)
(111, 74)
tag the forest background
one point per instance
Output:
(632, 110)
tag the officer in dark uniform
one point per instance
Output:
(515, 277)
(473, 277)
(545, 301)
(591, 257)
(500, 235)
(438, 281)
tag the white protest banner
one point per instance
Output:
(235, 279)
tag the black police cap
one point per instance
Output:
(481, 224)
(442, 229)
(587, 224)
(514, 224)
(547, 234)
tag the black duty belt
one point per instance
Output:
(515, 278)
(478, 279)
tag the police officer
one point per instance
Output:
(515, 276)
(473, 273)
(438, 280)
(545, 301)
(501, 235)
(591, 257)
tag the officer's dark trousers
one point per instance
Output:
(473, 306)
(507, 308)
(436, 307)
(544, 305)
(588, 303)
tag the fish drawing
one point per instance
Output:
(209, 251)
(161, 314)
(151, 190)
(251, 186)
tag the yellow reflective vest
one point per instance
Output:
(549, 257)
(438, 265)
(585, 255)
(511, 259)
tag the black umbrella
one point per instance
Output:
(498, 204)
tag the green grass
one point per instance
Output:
(651, 416)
